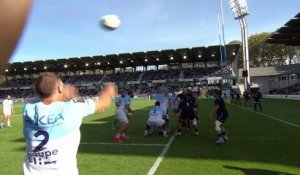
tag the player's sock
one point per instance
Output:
(179, 131)
(146, 132)
(164, 132)
(196, 131)
(8, 123)
(1, 125)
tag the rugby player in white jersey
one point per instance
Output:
(52, 135)
(128, 111)
(122, 108)
(52, 125)
(8, 110)
(156, 119)
(163, 98)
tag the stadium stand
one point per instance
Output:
(139, 71)
(122, 77)
(287, 34)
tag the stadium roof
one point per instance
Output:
(108, 62)
(289, 34)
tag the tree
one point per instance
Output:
(265, 54)
(293, 54)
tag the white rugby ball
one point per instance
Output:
(110, 22)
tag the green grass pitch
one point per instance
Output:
(258, 145)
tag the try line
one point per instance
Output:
(272, 117)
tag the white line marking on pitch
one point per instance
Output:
(120, 144)
(161, 157)
(17, 115)
(272, 117)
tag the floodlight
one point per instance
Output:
(239, 8)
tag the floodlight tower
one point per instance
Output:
(240, 10)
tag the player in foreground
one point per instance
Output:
(156, 119)
(122, 108)
(8, 110)
(52, 125)
(220, 115)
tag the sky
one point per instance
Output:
(71, 28)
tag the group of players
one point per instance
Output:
(254, 94)
(184, 106)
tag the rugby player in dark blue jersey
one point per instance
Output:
(237, 97)
(257, 96)
(220, 115)
(247, 97)
(187, 112)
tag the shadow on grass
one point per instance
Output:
(256, 171)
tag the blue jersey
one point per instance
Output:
(155, 113)
(123, 101)
(175, 101)
(187, 105)
(219, 101)
(163, 99)
(257, 97)
(52, 136)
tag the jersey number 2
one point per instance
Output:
(43, 142)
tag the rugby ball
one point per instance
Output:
(110, 22)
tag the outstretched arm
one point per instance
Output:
(105, 97)
(70, 92)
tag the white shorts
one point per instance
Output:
(121, 116)
(156, 122)
(7, 112)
